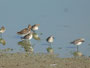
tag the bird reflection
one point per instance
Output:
(26, 44)
(50, 49)
(77, 53)
(36, 36)
(2, 41)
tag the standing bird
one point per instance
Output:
(78, 42)
(35, 27)
(2, 30)
(25, 31)
(28, 36)
(50, 39)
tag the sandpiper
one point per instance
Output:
(78, 41)
(35, 27)
(25, 31)
(2, 29)
(50, 39)
(27, 37)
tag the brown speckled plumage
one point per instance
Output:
(25, 31)
(2, 29)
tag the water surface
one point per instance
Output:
(66, 20)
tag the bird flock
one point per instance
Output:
(27, 34)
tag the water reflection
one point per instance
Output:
(36, 36)
(26, 44)
(77, 53)
(2, 41)
(50, 49)
(6, 50)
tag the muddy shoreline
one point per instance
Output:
(25, 60)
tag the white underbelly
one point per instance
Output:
(79, 43)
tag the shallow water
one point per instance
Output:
(65, 20)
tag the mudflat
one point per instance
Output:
(25, 60)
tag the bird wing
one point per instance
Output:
(26, 36)
(23, 31)
(76, 41)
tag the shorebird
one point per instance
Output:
(50, 39)
(2, 29)
(78, 41)
(25, 31)
(35, 27)
(28, 36)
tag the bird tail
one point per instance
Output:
(18, 32)
(71, 42)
